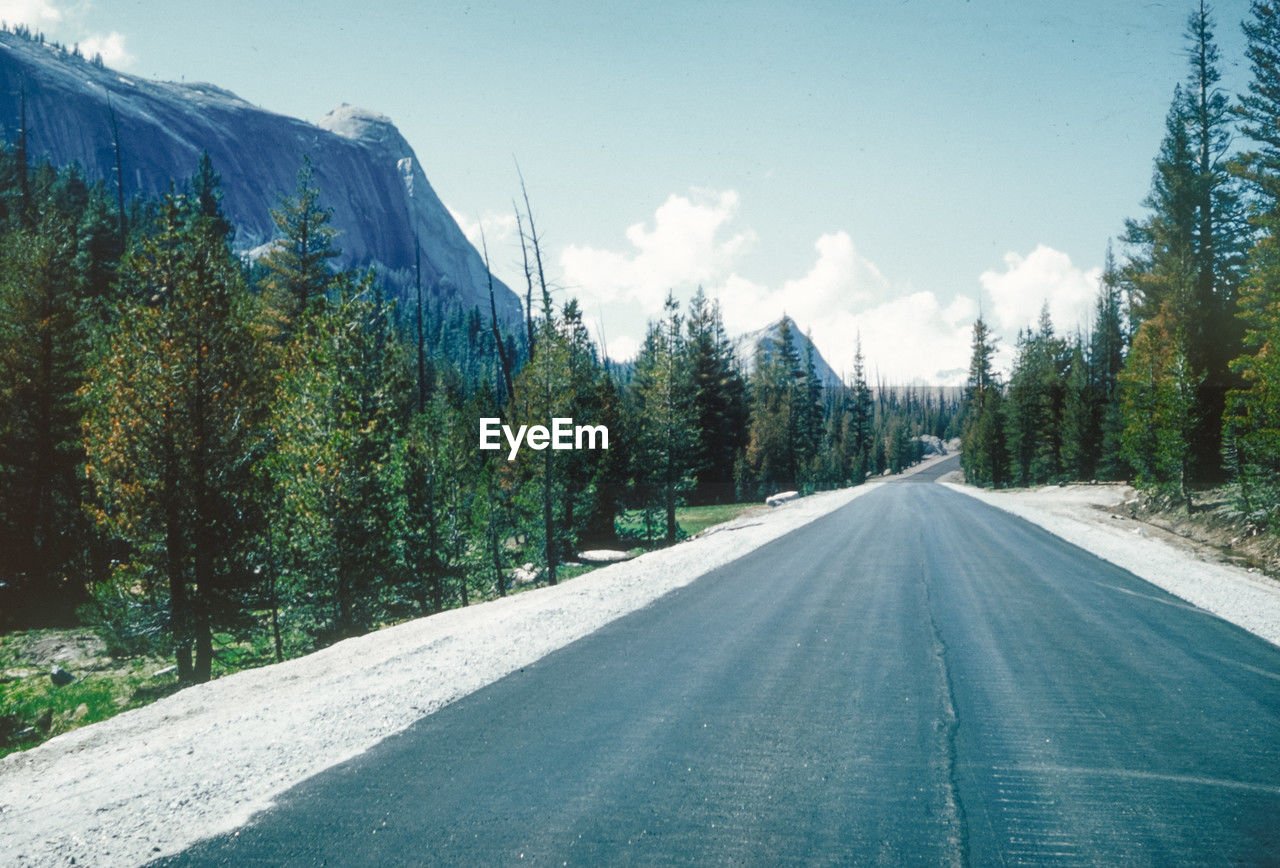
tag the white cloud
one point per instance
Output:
(915, 338)
(623, 348)
(907, 336)
(1044, 275)
(839, 280)
(111, 47)
(33, 13)
(910, 337)
(683, 246)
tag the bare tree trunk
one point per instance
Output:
(274, 592)
(537, 248)
(203, 537)
(115, 143)
(20, 153)
(493, 322)
(422, 358)
(499, 575)
(528, 280)
(175, 552)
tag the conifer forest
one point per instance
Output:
(196, 448)
(1175, 386)
(197, 451)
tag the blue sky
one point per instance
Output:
(873, 167)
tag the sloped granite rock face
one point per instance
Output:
(366, 171)
(766, 341)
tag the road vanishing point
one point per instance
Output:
(914, 678)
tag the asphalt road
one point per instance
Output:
(915, 678)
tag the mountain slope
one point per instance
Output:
(366, 171)
(766, 339)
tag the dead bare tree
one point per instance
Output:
(493, 321)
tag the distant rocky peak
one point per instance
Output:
(364, 125)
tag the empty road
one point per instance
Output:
(915, 678)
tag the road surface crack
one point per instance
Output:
(958, 836)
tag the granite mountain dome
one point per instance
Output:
(367, 173)
(765, 340)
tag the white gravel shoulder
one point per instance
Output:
(150, 782)
(1088, 516)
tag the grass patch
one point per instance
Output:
(34, 709)
(691, 520)
(696, 519)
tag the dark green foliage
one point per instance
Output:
(778, 448)
(983, 456)
(1034, 406)
(1188, 251)
(170, 426)
(1081, 420)
(858, 435)
(719, 399)
(1158, 389)
(666, 434)
(1106, 360)
(1251, 426)
(298, 274)
(55, 267)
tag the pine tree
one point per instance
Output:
(1251, 436)
(1162, 268)
(170, 433)
(664, 396)
(861, 416)
(1081, 429)
(1106, 360)
(1159, 401)
(541, 395)
(1033, 409)
(774, 448)
(983, 454)
(1188, 250)
(719, 398)
(809, 427)
(1213, 332)
(299, 276)
(335, 469)
(43, 344)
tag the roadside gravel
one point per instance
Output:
(1090, 516)
(150, 782)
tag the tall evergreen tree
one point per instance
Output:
(43, 344)
(335, 471)
(1081, 428)
(719, 398)
(664, 395)
(299, 274)
(1033, 410)
(1252, 425)
(775, 447)
(1188, 250)
(1106, 361)
(861, 418)
(170, 433)
(1159, 399)
(983, 455)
